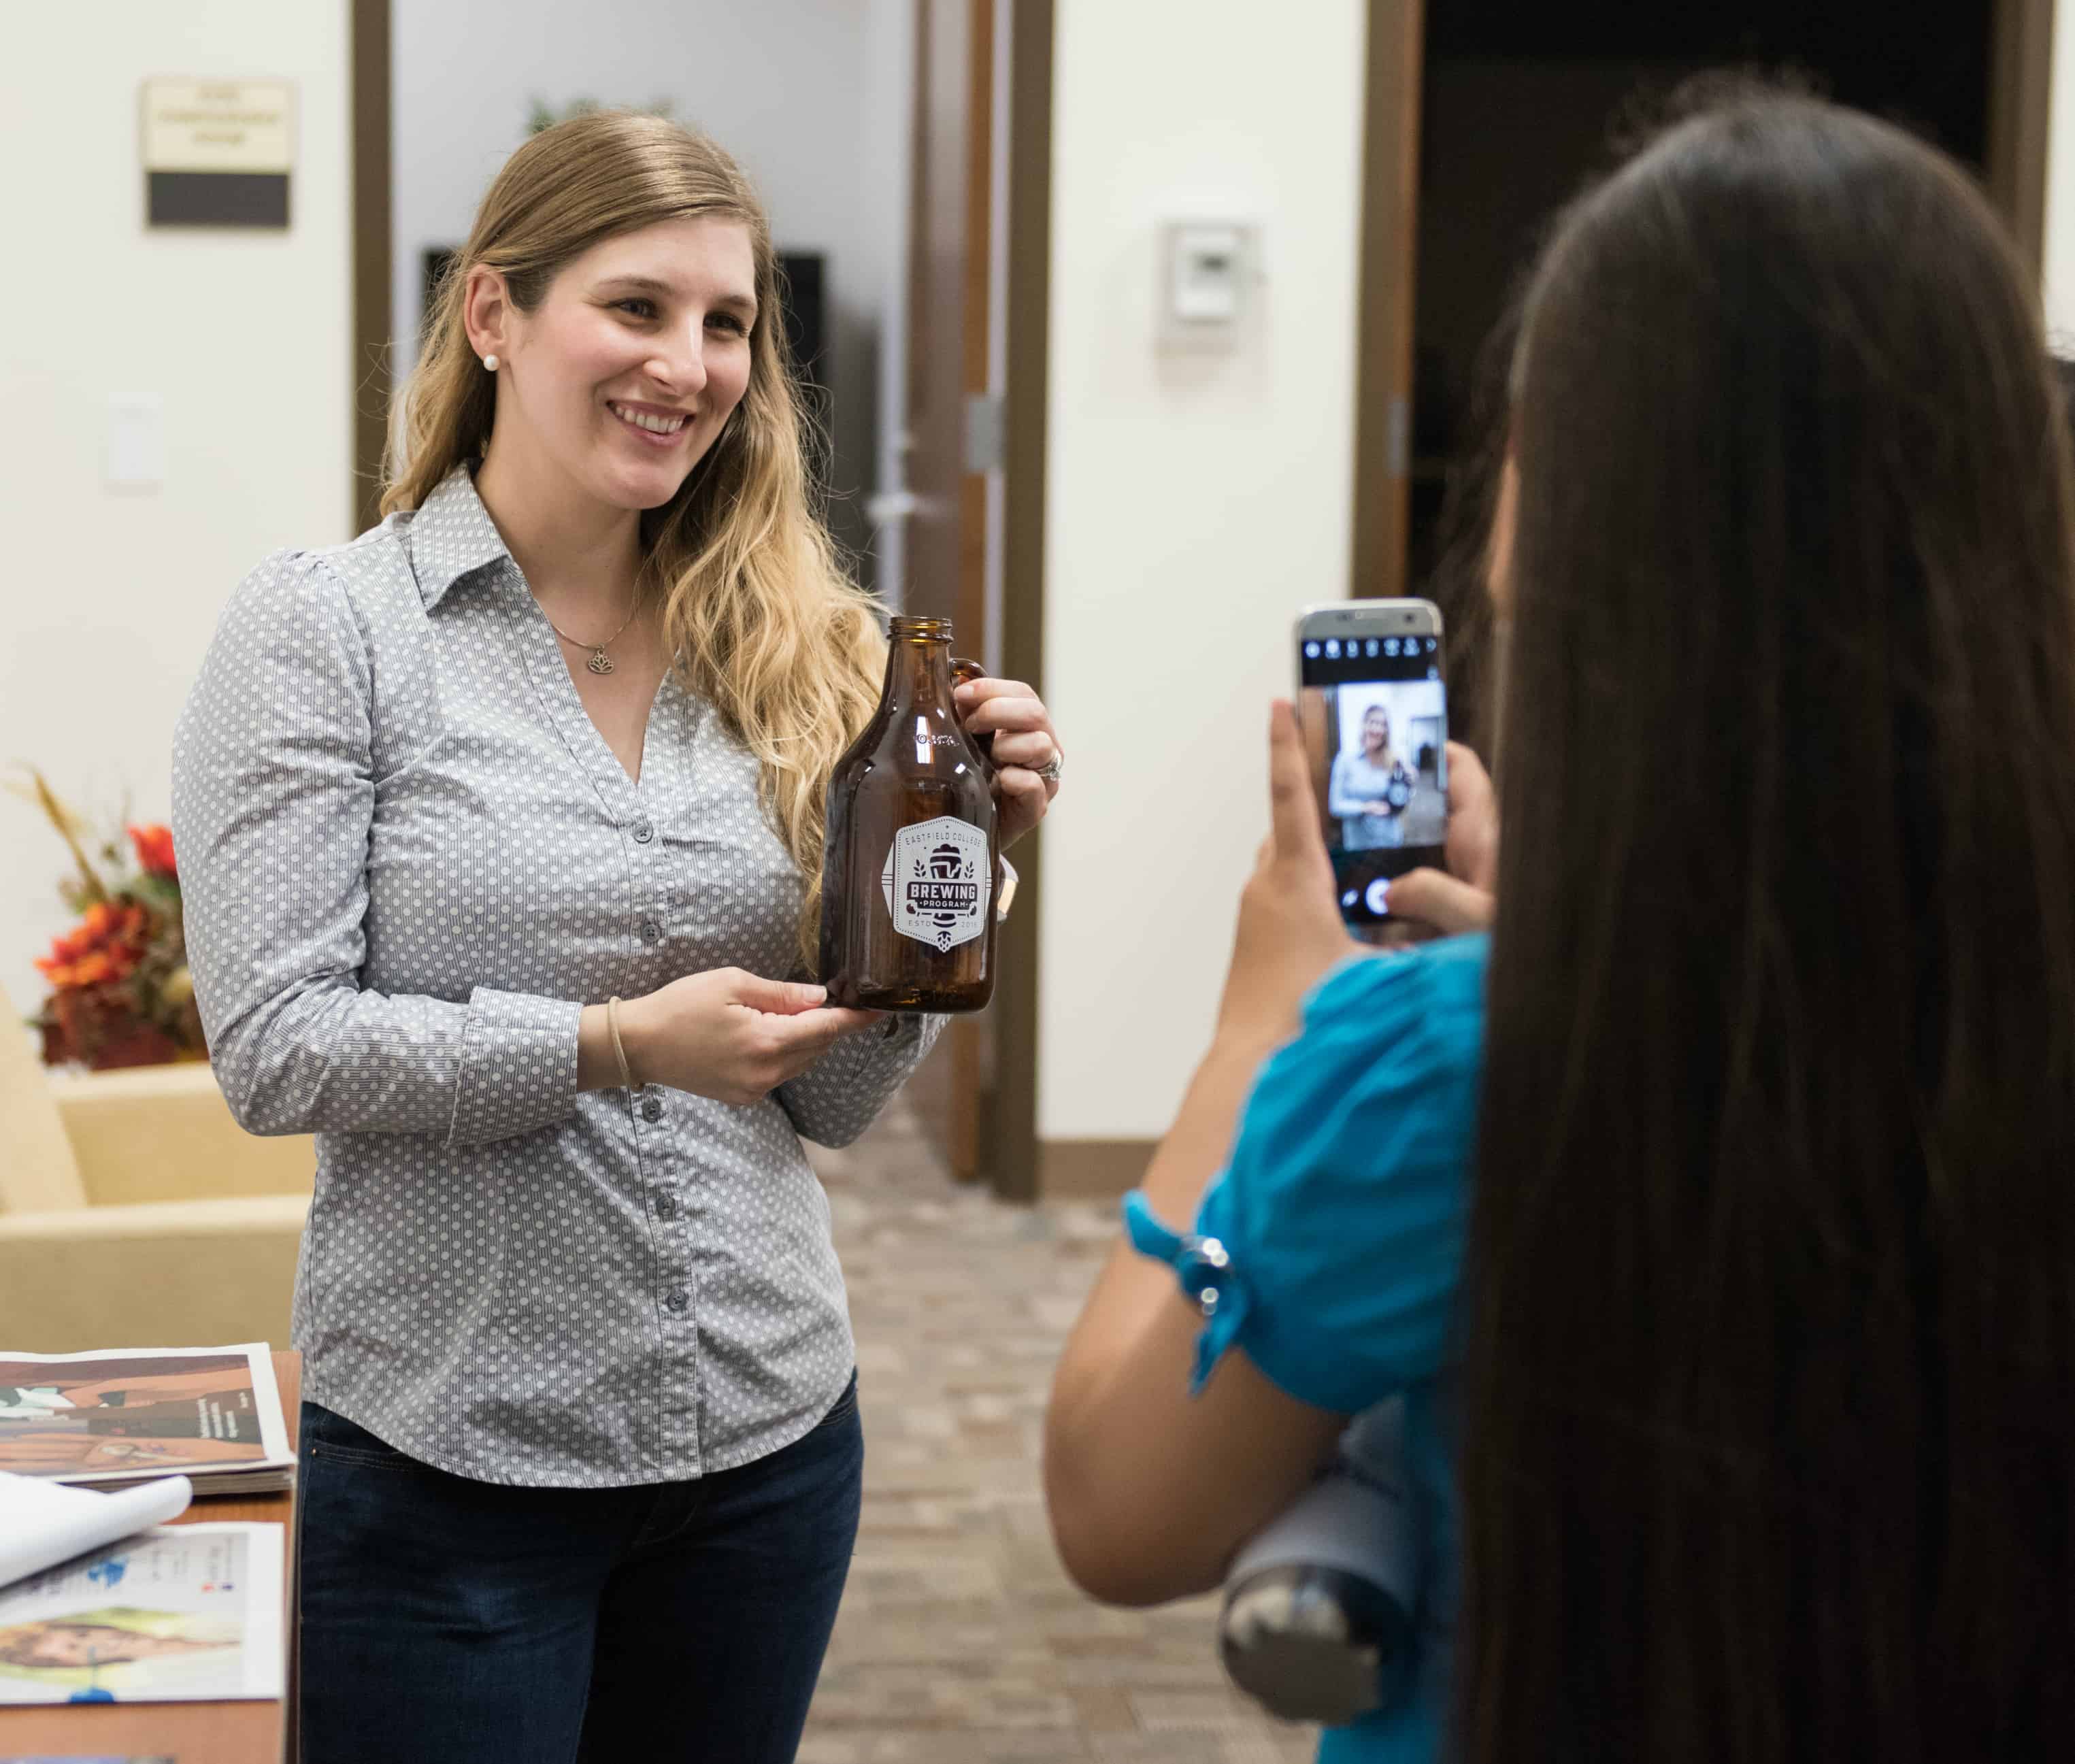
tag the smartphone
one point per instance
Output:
(1374, 715)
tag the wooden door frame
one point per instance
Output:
(1385, 309)
(2020, 105)
(369, 108)
(952, 143)
(1011, 1134)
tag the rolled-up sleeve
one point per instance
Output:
(273, 789)
(842, 1092)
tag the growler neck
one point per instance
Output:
(918, 666)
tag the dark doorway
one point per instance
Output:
(1517, 102)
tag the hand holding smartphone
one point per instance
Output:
(1373, 713)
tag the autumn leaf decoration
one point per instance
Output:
(121, 994)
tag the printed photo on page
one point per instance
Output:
(185, 1613)
(121, 1415)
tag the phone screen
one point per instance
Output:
(1374, 716)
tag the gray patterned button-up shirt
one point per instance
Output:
(409, 859)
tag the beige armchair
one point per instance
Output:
(134, 1212)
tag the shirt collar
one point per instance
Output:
(452, 535)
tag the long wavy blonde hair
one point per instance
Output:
(764, 622)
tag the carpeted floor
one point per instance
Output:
(961, 1640)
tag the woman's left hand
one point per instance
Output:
(1024, 740)
(1290, 934)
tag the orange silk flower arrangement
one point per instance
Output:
(121, 994)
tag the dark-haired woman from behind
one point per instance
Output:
(1717, 1215)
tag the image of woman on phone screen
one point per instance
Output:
(1371, 787)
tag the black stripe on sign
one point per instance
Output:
(217, 198)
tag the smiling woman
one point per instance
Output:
(643, 340)
(633, 293)
(500, 831)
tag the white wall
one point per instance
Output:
(109, 597)
(1193, 505)
(808, 94)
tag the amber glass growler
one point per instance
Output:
(907, 879)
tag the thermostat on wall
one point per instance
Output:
(1208, 266)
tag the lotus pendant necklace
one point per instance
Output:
(600, 662)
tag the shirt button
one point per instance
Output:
(651, 1108)
(644, 832)
(676, 1298)
(666, 1206)
(651, 931)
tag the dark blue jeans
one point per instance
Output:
(453, 1621)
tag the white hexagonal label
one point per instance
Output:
(937, 881)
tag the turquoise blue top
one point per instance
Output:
(1332, 1247)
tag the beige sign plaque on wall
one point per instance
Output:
(218, 153)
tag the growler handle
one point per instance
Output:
(961, 672)
(1005, 877)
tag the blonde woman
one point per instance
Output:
(1371, 787)
(500, 831)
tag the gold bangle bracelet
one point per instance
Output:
(619, 1048)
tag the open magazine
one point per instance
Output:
(184, 1613)
(120, 1416)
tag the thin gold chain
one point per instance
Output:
(599, 648)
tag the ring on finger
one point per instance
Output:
(1052, 768)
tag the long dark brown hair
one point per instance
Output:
(1459, 583)
(1769, 1398)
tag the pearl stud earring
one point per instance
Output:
(489, 362)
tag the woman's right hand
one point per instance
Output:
(1465, 899)
(731, 1035)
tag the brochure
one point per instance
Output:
(183, 1613)
(43, 1522)
(118, 1417)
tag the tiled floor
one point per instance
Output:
(961, 1640)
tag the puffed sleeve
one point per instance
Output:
(1331, 1247)
(273, 799)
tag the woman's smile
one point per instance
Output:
(653, 424)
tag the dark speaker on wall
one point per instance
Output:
(800, 286)
(432, 270)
